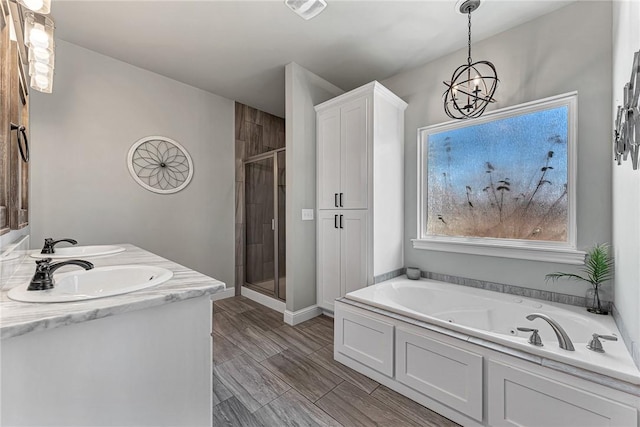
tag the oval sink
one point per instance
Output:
(80, 252)
(80, 285)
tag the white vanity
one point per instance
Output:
(141, 358)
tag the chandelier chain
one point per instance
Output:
(469, 56)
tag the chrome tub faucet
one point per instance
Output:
(563, 339)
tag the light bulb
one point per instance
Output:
(34, 5)
(476, 82)
(42, 81)
(455, 92)
(38, 37)
(41, 54)
(41, 68)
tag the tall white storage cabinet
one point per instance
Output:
(360, 179)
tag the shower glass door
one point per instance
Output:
(264, 224)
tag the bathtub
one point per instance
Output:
(495, 317)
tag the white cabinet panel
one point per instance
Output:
(445, 373)
(521, 398)
(366, 340)
(328, 123)
(354, 250)
(346, 143)
(354, 154)
(329, 257)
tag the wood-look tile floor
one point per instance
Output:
(269, 374)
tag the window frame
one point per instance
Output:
(549, 251)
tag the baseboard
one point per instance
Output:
(272, 303)
(227, 293)
(296, 317)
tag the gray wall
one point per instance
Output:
(626, 181)
(303, 90)
(81, 186)
(567, 50)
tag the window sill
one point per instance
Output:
(504, 248)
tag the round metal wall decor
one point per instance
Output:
(160, 164)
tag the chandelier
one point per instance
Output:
(472, 84)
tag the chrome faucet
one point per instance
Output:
(50, 243)
(563, 338)
(43, 280)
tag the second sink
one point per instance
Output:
(80, 252)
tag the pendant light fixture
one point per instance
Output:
(472, 84)
(38, 37)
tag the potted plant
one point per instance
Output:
(597, 269)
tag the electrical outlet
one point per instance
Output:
(307, 214)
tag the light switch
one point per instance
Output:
(307, 214)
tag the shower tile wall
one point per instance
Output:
(256, 132)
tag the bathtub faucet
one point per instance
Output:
(563, 338)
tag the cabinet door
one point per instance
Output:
(328, 158)
(521, 398)
(354, 149)
(354, 250)
(443, 372)
(328, 258)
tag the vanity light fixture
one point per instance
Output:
(306, 9)
(39, 6)
(473, 84)
(38, 37)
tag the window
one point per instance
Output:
(502, 184)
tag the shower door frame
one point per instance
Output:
(273, 154)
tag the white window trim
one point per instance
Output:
(558, 252)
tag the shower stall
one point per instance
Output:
(264, 245)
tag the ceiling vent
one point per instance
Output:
(306, 9)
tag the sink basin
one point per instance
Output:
(80, 252)
(80, 285)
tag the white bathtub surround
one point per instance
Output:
(474, 372)
(495, 317)
(142, 358)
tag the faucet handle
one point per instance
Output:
(596, 345)
(534, 339)
(43, 264)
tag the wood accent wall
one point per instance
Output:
(256, 132)
(14, 108)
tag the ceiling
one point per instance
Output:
(238, 49)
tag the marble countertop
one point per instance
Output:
(19, 318)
